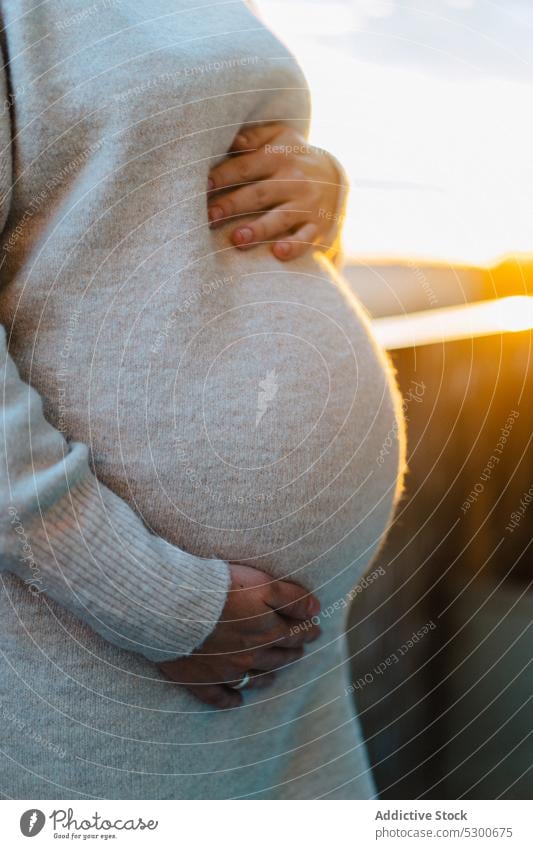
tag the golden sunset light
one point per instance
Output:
(438, 151)
(485, 318)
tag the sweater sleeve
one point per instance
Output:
(69, 537)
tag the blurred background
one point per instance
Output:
(429, 107)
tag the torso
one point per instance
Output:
(237, 403)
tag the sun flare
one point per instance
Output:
(467, 321)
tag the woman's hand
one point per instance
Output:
(276, 173)
(264, 626)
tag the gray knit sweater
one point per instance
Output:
(200, 405)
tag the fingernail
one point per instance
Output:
(240, 140)
(215, 213)
(313, 607)
(210, 184)
(243, 235)
(283, 248)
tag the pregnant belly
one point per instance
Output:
(264, 427)
(244, 412)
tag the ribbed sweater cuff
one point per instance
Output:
(96, 558)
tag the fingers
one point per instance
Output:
(299, 635)
(253, 198)
(216, 695)
(241, 169)
(271, 154)
(293, 601)
(268, 226)
(225, 697)
(269, 659)
(251, 138)
(186, 673)
(296, 245)
(258, 680)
